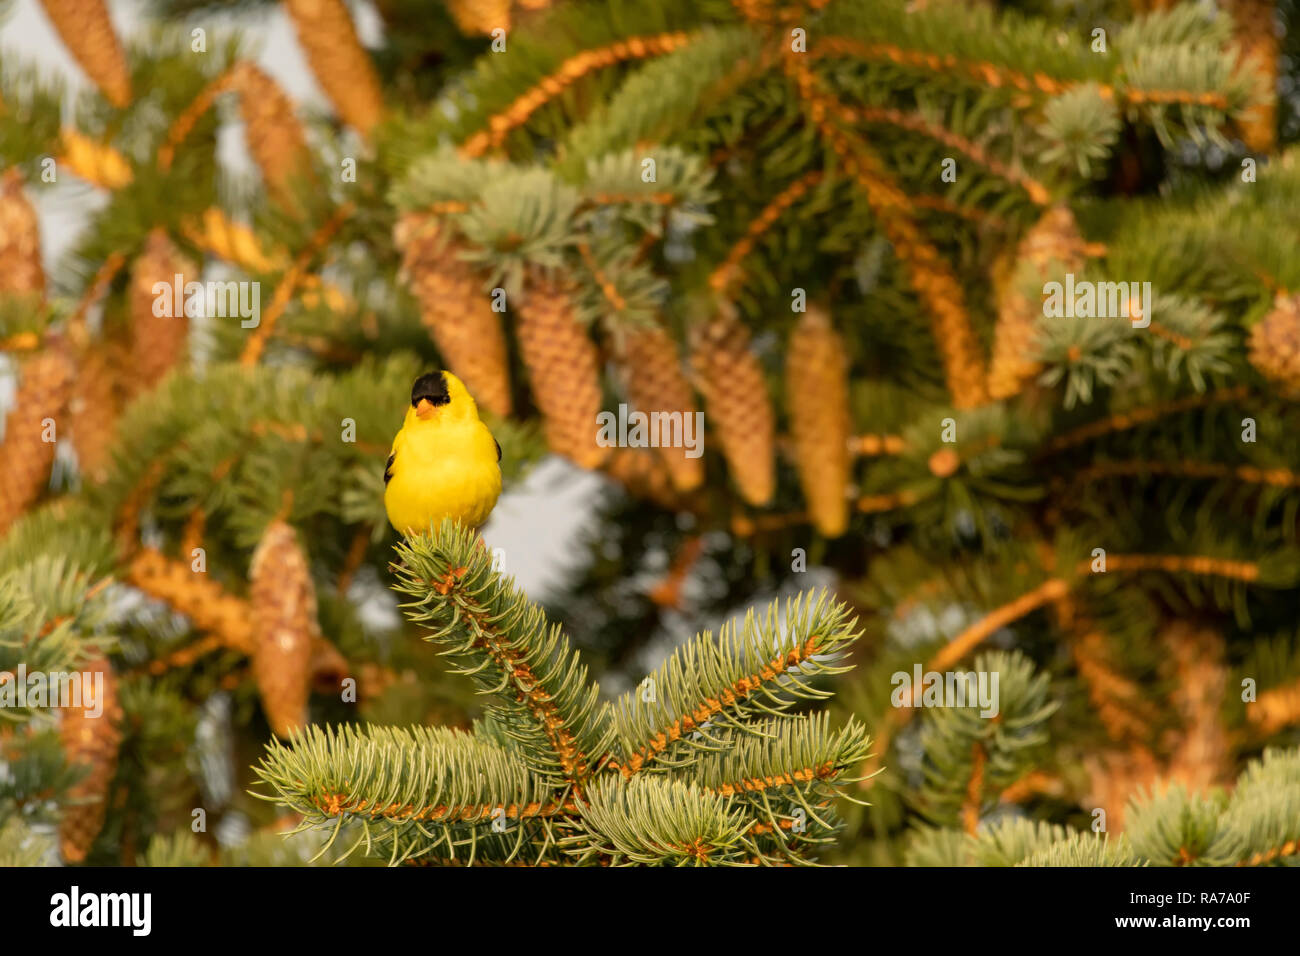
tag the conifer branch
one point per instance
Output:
(970, 811)
(97, 163)
(196, 596)
(933, 282)
(236, 243)
(762, 668)
(571, 70)
(1127, 420)
(289, 284)
(982, 72)
(184, 124)
(1115, 697)
(916, 123)
(641, 822)
(869, 446)
(493, 634)
(1052, 589)
(1275, 477)
(412, 792)
(729, 271)
(1248, 571)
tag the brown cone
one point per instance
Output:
(736, 402)
(644, 475)
(456, 310)
(44, 388)
(1200, 759)
(1051, 248)
(158, 342)
(20, 240)
(87, 32)
(274, 135)
(1115, 777)
(563, 369)
(89, 742)
(480, 16)
(1260, 47)
(1275, 344)
(283, 602)
(655, 382)
(93, 408)
(817, 402)
(339, 62)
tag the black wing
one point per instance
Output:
(498, 444)
(388, 468)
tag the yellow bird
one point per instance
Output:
(445, 463)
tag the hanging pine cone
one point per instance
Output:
(1275, 344)
(20, 240)
(283, 602)
(817, 402)
(44, 388)
(563, 369)
(653, 377)
(275, 137)
(644, 475)
(94, 406)
(87, 32)
(339, 62)
(1200, 760)
(91, 742)
(1051, 248)
(158, 342)
(455, 309)
(731, 380)
(480, 16)
(1258, 41)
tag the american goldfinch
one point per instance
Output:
(445, 463)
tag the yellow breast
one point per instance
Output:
(447, 472)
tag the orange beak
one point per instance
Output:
(425, 409)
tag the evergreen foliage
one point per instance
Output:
(1101, 512)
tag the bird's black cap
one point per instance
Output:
(433, 387)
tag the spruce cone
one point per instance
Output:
(44, 388)
(817, 400)
(1115, 776)
(20, 240)
(959, 347)
(274, 135)
(563, 369)
(731, 380)
(87, 32)
(339, 62)
(1275, 344)
(1051, 248)
(1200, 759)
(283, 602)
(158, 342)
(94, 742)
(455, 310)
(480, 16)
(94, 406)
(644, 476)
(653, 377)
(1260, 47)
